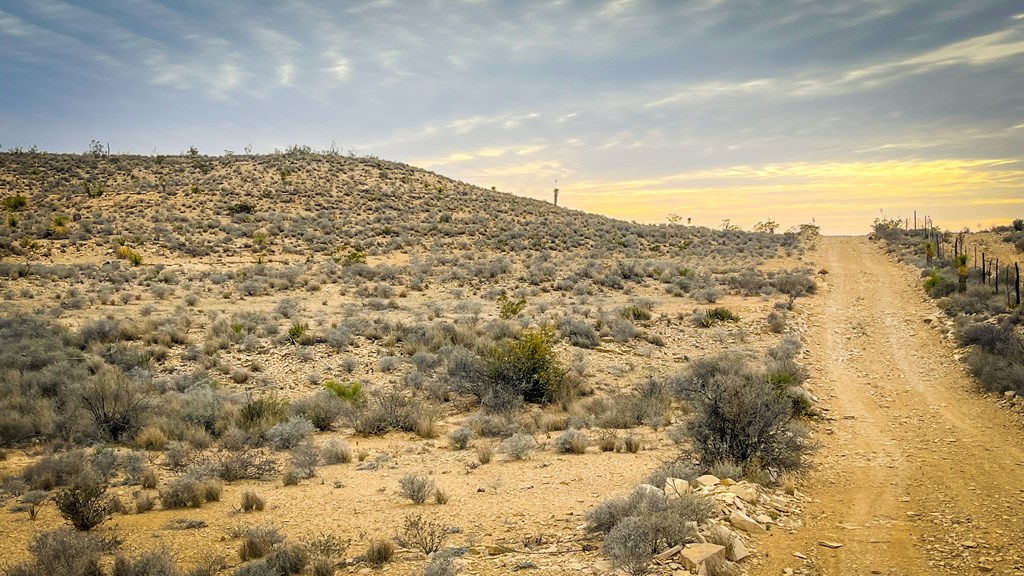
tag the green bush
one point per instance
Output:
(525, 368)
(85, 503)
(351, 393)
(15, 203)
(717, 314)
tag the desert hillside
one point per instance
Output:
(337, 339)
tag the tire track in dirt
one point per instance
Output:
(916, 472)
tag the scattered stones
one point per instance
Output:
(830, 544)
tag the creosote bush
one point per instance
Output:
(524, 368)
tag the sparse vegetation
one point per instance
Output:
(237, 317)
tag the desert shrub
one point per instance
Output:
(518, 446)
(484, 453)
(212, 490)
(523, 369)
(424, 535)
(631, 444)
(631, 545)
(579, 332)
(460, 437)
(255, 568)
(259, 414)
(379, 552)
(258, 541)
(322, 409)
(252, 501)
(635, 313)
(101, 330)
(440, 497)
(149, 479)
(116, 403)
(675, 468)
(149, 564)
(144, 502)
(52, 470)
(336, 451)
(998, 339)
(794, 284)
(776, 321)
(572, 441)
(292, 476)
(84, 503)
(996, 373)
(603, 517)
(151, 438)
(711, 316)
(708, 294)
(288, 559)
(15, 202)
(385, 412)
(183, 492)
(440, 565)
(64, 551)
(415, 488)
(350, 393)
(290, 433)
(245, 464)
(739, 417)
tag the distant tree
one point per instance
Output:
(728, 226)
(193, 151)
(96, 148)
(673, 218)
(769, 226)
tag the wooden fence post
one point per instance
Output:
(984, 280)
(1016, 269)
(997, 276)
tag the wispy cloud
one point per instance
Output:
(638, 102)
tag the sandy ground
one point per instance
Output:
(917, 473)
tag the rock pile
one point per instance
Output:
(744, 509)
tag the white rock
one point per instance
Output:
(745, 523)
(708, 480)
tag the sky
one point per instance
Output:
(827, 111)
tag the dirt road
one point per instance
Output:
(916, 473)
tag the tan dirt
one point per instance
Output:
(916, 473)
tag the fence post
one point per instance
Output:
(984, 279)
(1016, 269)
(997, 276)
